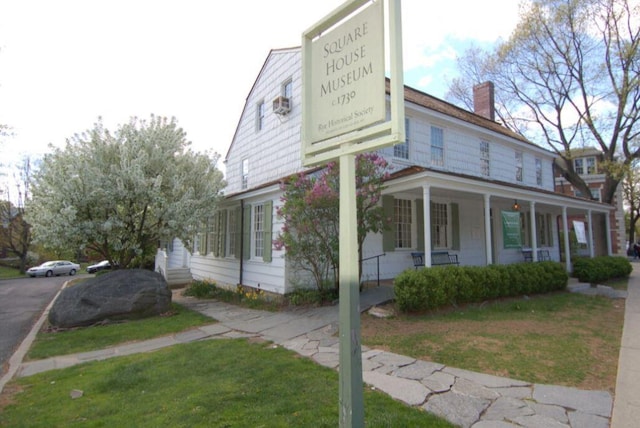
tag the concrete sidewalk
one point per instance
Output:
(626, 409)
(465, 398)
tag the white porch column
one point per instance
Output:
(487, 228)
(565, 230)
(534, 232)
(592, 252)
(607, 224)
(426, 195)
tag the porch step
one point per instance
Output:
(178, 276)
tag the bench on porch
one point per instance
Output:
(438, 258)
(543, 255)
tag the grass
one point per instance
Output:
(50, 343)
(560, 338)
(10, 273)
(220, 383)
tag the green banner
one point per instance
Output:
(511, 229)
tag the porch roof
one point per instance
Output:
(416, 176)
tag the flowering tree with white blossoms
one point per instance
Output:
(311, 216)
(120, 194)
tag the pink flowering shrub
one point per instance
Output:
(310, 211)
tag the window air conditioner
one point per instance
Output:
(281, 105)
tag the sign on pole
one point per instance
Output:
(343, 114)
(343, 77)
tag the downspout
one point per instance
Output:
(241, 241)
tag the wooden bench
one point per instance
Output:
(438, 258)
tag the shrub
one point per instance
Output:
(599, 269)
(430, 288)
(201, 290)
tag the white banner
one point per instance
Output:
(581, 235)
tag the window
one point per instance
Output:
(403, 221)
(258, 230)
(595, 194)
(578, 166)
(437, 146)
(538, 172)
(519, 173)
(440, 235)
(232, 233)
(543, 230)
(245, 173)
(402, 150)
(287, 89)
(211, 233)
(484, 159)
(591, 165)
(260, 109)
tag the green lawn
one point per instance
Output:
(9, 273)
(52, 343)
(215, 383)
(558, 338)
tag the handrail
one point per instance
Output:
(377, 263)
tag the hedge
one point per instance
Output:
(435, 287)
(599, 269)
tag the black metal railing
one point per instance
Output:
(377, 264)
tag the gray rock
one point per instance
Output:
(117, 295)
(458, 409)
(593, 402)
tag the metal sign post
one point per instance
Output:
(343, 114)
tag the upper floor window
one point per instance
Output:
(591, 165)
(287, 89)
(538, 172)
(519, 162)
(245, 173)
(578, 166)
(403, 221)
(485, 159)
(260, 109)
(595, 194)
(437, 146)
(401, 150)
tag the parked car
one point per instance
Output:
(103, 265)
(56, 267)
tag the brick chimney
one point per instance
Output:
(483, 100)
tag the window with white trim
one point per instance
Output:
(539, 171)
(519, 166)
(403, 220)
(258, 231)
(245, 173)
(578, 166)
(401, 150)
(260, 111)
(440, 233)
(485, 159)
(591, 165)
(437, 146)
(232, 233)
(287, 89)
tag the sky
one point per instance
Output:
(64, 63)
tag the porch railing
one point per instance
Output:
(377, 264)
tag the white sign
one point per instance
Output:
(581, 236)
(347, 76)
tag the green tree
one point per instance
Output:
(119, 194)
(311, 216)
(569, 77)
(15, 232)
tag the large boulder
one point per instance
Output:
(117, 295)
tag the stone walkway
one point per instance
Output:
(464, 398)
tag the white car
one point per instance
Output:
(56, 267)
